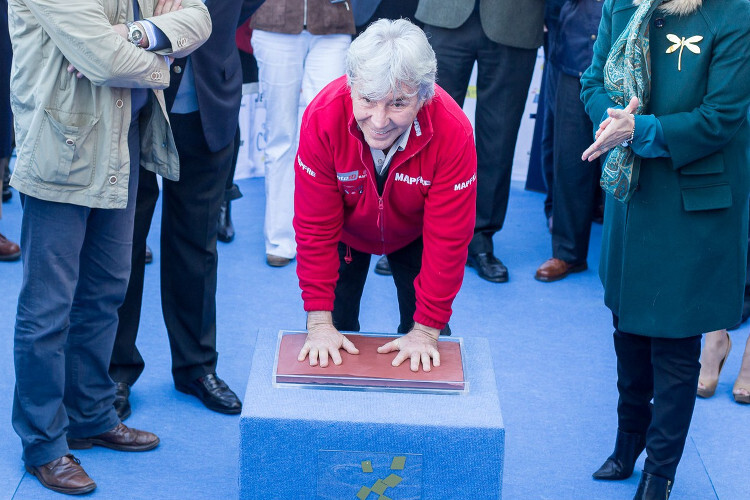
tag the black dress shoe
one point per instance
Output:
(488, 267)
(122, 403)
(653, 487)
(149, 255)
(619, 465)
(383, 267)
(213, 392)
(226, 228)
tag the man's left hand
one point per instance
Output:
(420, 344)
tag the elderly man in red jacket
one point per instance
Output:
(386, 165)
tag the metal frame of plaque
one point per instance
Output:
(374, 371)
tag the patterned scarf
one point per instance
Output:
(627, 74)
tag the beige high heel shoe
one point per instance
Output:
(706, 386)
(743, 384)
(741, 398)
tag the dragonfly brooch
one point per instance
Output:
(682, 43)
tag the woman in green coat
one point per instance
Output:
(670, 86)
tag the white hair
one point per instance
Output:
(391, 57)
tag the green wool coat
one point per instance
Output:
(673, 258)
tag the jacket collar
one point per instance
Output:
(677, 7)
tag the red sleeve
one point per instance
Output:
(449, 215)
(318, 215)
(242, 37)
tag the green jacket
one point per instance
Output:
(509, 22)
(673, 258)
(72, 134)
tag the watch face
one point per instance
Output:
(135, 34)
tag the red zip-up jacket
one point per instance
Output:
(430, 191)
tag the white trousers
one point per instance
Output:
(288, 64)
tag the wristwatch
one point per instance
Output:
(135, 33)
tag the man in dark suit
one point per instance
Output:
(502, 36)
(203, 100)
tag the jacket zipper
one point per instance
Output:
(381, 221)
(381, 208)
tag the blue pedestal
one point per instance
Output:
(298, 443)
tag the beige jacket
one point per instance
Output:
(72, 134)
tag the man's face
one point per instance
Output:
(382, 122)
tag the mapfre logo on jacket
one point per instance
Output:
(463, 185)
(399, 177)
(305, 168)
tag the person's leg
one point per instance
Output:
(52, 235)
(676, 369)
(103, 281)
(456, 51)
(280, 65)
(713, 355)
(189, 260)
(635, 382)
(575, 179)
(353, 266)
(548, 94)
(127, 364)
(503, 79)
(635, 387)
(231, 193)
(741, 389)
(405, 266)
(406, 263)
(324, 62)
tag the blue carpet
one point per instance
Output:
(550, 343)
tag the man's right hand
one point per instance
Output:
(166, 6)
(324, 340)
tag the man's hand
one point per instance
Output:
(323, 339)
(614, 130)
(420, 344)
(165, 6)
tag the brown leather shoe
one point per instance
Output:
(8, 249)
(555, 269)
(276, 261)
(64, 475)
(121, 438)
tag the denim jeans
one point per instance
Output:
(76, 264)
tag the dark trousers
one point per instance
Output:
(76, 263)
(405, 266)
(576, 181)
(393, 9)
(548, 95)
(503, 78)
(665, 370)
(190, 213)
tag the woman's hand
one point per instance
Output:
(420, 344)
(323, 340)
(614, 130)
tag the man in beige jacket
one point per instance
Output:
(86, 95)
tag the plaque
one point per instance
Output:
(369, 369)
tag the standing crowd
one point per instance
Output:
(385, 162)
